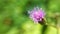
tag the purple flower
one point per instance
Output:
(36, 14)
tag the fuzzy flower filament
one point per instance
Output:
(36, 14)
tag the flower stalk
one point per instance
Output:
(58, 22)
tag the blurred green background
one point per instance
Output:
(14, 17)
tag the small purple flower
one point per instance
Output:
(36, 14)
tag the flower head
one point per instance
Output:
(36, 14)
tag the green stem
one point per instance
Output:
(44, 28)
(57, 22)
